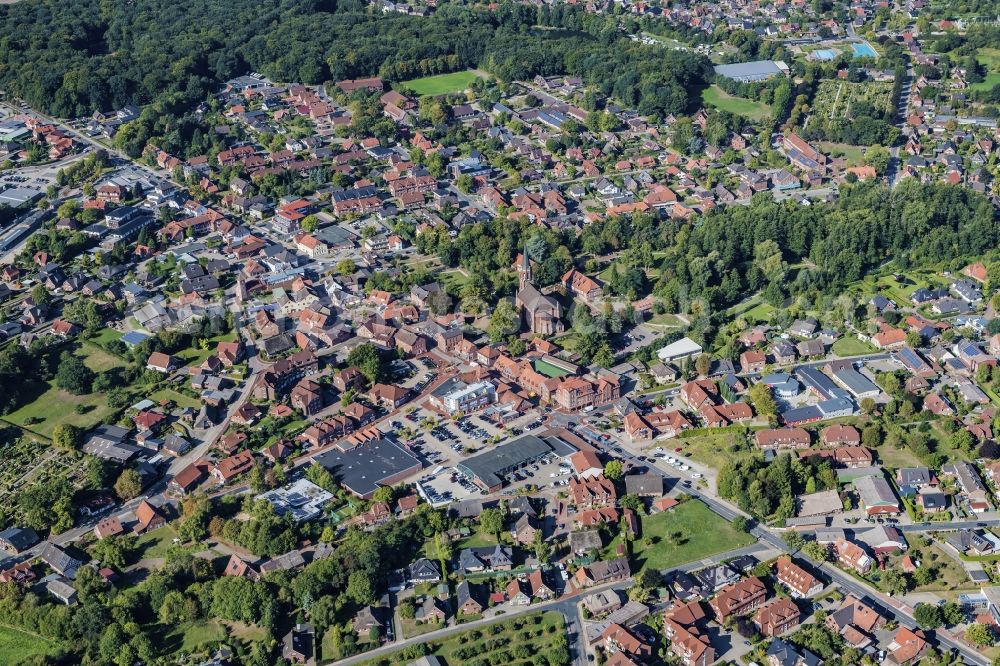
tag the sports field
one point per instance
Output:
(441, 84)
(548, 369)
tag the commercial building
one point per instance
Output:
(851, 379)
(456, 396)
(676, 351)
(488, 470)
(304, 500)
(368, 466)
(19, 196)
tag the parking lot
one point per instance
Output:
(446, 485)
(549, 475)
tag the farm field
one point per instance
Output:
(740, 106)
(441, 84)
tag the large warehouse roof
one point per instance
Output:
(680, 349)
(370, 465)
(489, 467)
(749, 71)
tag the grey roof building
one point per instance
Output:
(18, 539)
(369, 466)
(758, 70)
(424, 571)
(644, 484)
(59, 561)
(488, 469)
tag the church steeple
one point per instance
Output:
(524, 270)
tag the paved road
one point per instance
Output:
(564, 605)
(567, 605)
(952, 525)
(89, 140)
(771, 538)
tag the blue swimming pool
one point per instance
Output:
(864, 50)
(824, 54)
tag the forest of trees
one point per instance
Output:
(71, 59)
(780, 249)
(123, 626)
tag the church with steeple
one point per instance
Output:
(541, 314)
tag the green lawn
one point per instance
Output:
(179, 398)
(106, 336)
(893, 458)
(849, 345)
(412, 628)
(761, 312)
(17, 645)
(855, 155)
(155, 544)
(55, 406)
(714, 449)
(193, 357)
(990, 59)
(189, 638)
(441, 84)
(703, 534)
(97, 359)
(740, 106)
(198, 634)
(666, 320)
(992, 79)
(453, 281)
(476, 540)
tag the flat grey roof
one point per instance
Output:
(488, 467)
(364, 468)
(19, 196)
(856, 382)
(755, 69)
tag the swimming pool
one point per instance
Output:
(824, 54)
(864, 50)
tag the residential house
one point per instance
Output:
(424, 571)
(683, 627)
(602, 571)
(738, 599)
(855, 621)
(799, 582)
(852, 556)
(777, 617)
